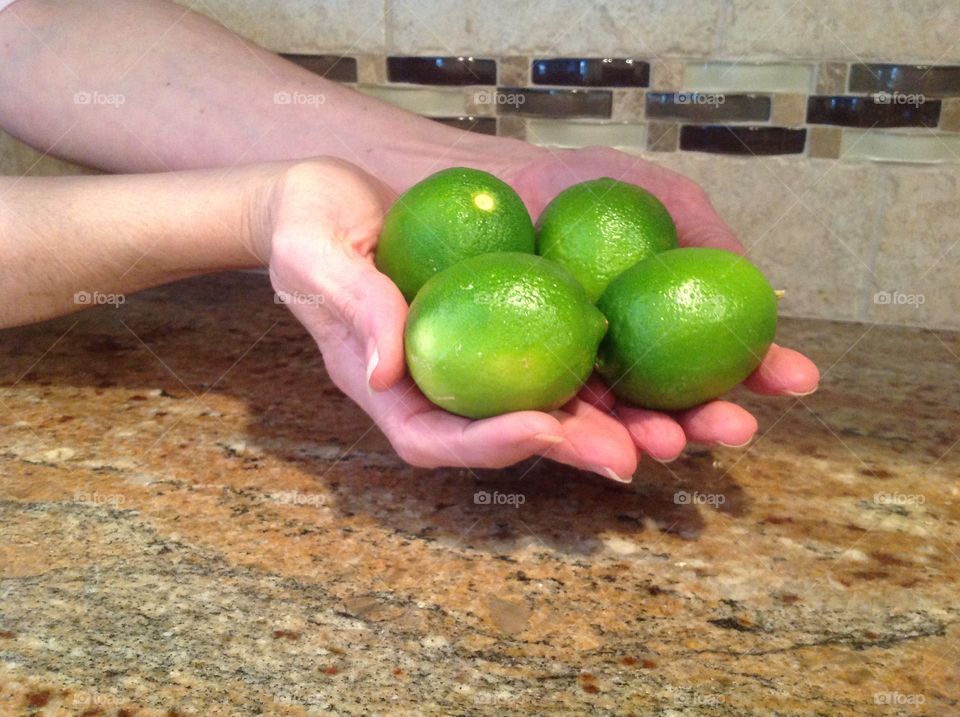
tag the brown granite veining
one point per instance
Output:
(194, 521)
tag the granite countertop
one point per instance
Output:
(193, 520)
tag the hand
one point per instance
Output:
(318, 227)
(538, 177)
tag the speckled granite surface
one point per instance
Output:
(194, 521)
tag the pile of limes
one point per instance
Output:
(506, 316)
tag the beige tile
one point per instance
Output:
(513, 71)
(18, 159)
(817, 247)
(625, 28)
(666, 74)
(571, 133)
(348, 26)
(372, 69)
(832, 78)
(918, 254)
(430, 102)
(852, 30)
(824, 142)
(511, 127)
(742, 76)
(663, 136)
(627, 105)
(950, 115)
(788, 110)
(906, 146)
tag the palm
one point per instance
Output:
(322, 243)
(325, 225)
(782, 372)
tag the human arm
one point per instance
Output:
(196, 95)
(314, 224)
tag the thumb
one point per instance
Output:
(372, 305)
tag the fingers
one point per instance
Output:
(594, 441)
(718, 422)
(784, 372)
(376, 311)
(656, 434)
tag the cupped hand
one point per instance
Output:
(319, 224)
(538, 177)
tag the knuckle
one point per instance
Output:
(693, 192)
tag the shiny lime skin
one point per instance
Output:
(451, 215)
(686, 326)
(502, 332)
(600, 228)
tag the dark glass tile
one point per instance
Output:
(742, 140)
(933, 80)
(708, 107)
(481, 125)
(442, 70)
(333, 67)
(597, 72)
(559, 104)
(871, 112)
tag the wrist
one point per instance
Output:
(407, 162)
(260, 200)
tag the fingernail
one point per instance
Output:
(607, 472)
(372, 365)
(664, 461)
(797, 394)
(730, 445)
(549, 437)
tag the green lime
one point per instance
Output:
(599, 229)
(449, 216)
(502, 332)
(685, 326)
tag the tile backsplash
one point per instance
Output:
(739, 108)
(814, 125)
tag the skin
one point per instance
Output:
(175, 117)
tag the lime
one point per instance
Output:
(600, 228)
(451, 215)
(686, 325)
(502, 332)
